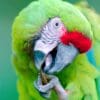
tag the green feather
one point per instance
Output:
(94, 19)
(79, 77)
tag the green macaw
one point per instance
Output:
(80, 78)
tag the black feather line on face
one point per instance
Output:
(50, 18)
(48, 21)
(34, 39)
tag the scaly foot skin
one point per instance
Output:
(45, 90)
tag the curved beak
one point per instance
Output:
(41, 50)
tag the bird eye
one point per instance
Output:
(56, 24)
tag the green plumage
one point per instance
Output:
(80, 76)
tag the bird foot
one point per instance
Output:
(45, 89)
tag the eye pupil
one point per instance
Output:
(57, 24)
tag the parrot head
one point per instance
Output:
(46, 47)
(50, 37)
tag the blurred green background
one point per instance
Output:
(8, 10)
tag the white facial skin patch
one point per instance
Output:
(45, 47)
(50, 35)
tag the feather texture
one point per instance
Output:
(80, 76)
